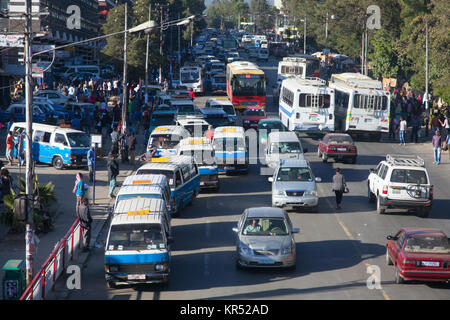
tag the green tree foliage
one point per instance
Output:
(398, 49)
(226, 13)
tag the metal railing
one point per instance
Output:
(65, 251)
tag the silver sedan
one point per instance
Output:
(265, 239)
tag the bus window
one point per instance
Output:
(370, 102)
(314, 100)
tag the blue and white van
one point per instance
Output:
(138, 245)
(60, 147)
(203, 152)
(152, 186)
(183, 176)
(165, 140)
(231, 149)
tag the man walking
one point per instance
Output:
(10, 148)
(132, 147)
(339, 186)
(113, 172)
(437, 145)
(115, 141)
(84, 215)
(90, 163)
(402, 130)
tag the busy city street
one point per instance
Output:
(224, 150)
(334, 248)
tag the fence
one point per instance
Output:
(66, 250)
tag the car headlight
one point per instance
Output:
(286, 250)
(244, 249)
(246, 121)
(112, 268)
(311, 193)
(160, 267)
(280, 193)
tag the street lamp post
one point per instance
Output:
(304, 35)
(147, 55)
(125, 73)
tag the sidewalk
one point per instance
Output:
(12, 246)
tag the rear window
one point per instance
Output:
(409, 176)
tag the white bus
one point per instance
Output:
(302, 66)
(361, 104)
(306, 105)
(191, 77)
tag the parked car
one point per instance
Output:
(265, 238)
(419, 254)
(339, 146)
(53, 95)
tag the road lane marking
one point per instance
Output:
(350, 236)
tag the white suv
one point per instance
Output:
(401, 181)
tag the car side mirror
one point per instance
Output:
(235, 229)
(372, 170)
(295, 230)
(318, 179)
(270, 179)
(392, 238)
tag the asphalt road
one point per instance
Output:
(334, 249)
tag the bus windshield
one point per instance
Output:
(229, 144)
(136, 237)
(79, 140)
(312, 68)
(189, 76)
(249, 85)
(162, 120)
(185, 109)
(165, 141)
(167, 173)
(139, 196)
(202, 157)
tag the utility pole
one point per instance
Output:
(179, 42)
(147, 54)
(426, 62)
(125, 78)
(29, 235)
(160, 47)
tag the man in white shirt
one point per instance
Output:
(71, 90)
(402, 130)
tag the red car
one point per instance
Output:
(339, 146)
(419, 254)
(252, 115)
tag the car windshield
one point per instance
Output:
(162, 120)
(254, 113)
(136, 237)
(294, 174)
(427, 244)
(165, 141)
(269, 126)
(138, 196)
(217, 121)
(79, 139)
(184, 109)
(285, 147)
(167, 173)
(202, 157)
(340, 140)
(229, 144)
(265, 227)
(409, 176)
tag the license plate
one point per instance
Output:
(395, 191)
(313, 118)
(136, 277)
(202, 183)
(367, 120)
(266, 261)
(341, 149)
(430, 264)
(229, 168)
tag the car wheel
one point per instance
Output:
(315, 209)
(57, 163)
(388, 258)
(398, 277)
(380, 208)
(111, 284)
(424, 212)
(238, 265)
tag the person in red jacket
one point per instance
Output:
(10, 147)
(191, 94)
